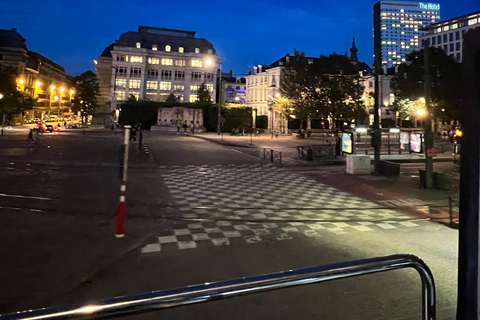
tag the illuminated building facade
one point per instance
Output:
(152, 63)
(37, 76)
(448, 35)
(397, 27)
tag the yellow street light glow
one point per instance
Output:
(56, 97)
(38, 84)
(61, 89)
(52, 87)
(422, 100)
(72, 91)
(1, 96)
(277, 95)
(458, 133)
(21, 81)
(208, 62)
(421, 112)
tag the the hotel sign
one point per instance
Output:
(429, 6)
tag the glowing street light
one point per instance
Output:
(421, 112)
(1, 96)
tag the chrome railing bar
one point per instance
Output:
(224, 289)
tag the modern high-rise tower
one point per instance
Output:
(397, 28)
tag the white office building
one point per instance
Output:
(152, 63)
(448, 35)
(397, 28)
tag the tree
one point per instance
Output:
(171, 98)
(87, 89)
(337, 87)
(13, 101)
(446, 83)
(203, 95)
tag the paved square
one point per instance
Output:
(220, 205)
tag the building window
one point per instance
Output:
(179, 75)
(139, 45)
(193, 98)
(168, 48)
(459, 57)
(179, 87)
(180, 49)
(179, 97)
(196, 76)
(153, 60)
(135, 72)
(434, 41)
(209, 51)
(451, 47)
(120, 95)
(136, 95)
(457, 35)
(120, 57)
(445, 38)
(450, 36)
(445, 48)
(154, 47)
(152, 74)
(197, 63)
(208, 76)
(165, 86)
(180, 63)
(209, 87)
(197, 50)
(439, 39)
(152, 96)
(166, 74)
(370, 84)
(167, 62)
(136, 59)
(134, 84)
(152, 85)
(457, 46)
(121, 71)
(194, 88)
(121, 83)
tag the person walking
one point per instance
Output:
(30, 136)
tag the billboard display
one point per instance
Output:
(347, 142)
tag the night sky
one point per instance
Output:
(244, 32)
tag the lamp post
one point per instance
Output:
(52, 87)
(220, 89)
(60, 102)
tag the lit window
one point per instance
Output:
(152, 96)
(165, 86)
(180, 49)
(197, 50)
(196, 63)
(153, 60)
(180, 63)
(120, 95)
(121, 83)
(154, 47)
(179, 87)
(194, 88)
(137, 59)
(167, 62)
(209, 87)
(134, 84)
(135, 94)
(152, 85)
(138, 45)
(193, 98)
(168, 48)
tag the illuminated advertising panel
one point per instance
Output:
(347, 142)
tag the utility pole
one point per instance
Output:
(427, 87)
(468, 244)
(219, 88)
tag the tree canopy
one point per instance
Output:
(408, 84)
(87, 89)
(13, 101)
(325, 87)
(203, 95)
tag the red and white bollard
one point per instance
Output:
(121, 207)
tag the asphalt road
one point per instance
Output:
(189, 190)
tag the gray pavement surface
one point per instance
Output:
(199, 211)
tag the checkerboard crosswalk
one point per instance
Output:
(221, 205)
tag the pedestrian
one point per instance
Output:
(309, 133)
(133, 134)
(30, 136)
(178, 128)
(185, 127)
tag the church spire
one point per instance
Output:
(353, 52)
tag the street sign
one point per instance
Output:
(432, 152)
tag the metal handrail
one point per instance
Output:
(226, 289)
